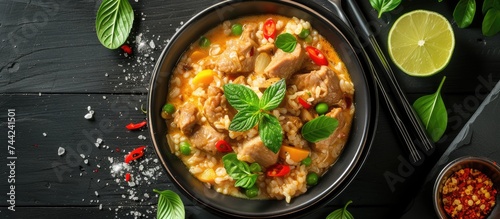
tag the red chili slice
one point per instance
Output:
(278, 170)
(135, 126)
(127, 177)
(135, 154)
(316, 55)
(126, 48)
(269, 29)
(304, 103)
(223, 146)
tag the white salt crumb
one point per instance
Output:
(100, 206)
(89, 115)
(40, 94)
(86, 161)
(142, 137)
(61, 151)
(96, 193)
(82, 155)
(152, 44)
(106, 75)
(98, 140)
(89, 108)
(103, 97)
(44, 134)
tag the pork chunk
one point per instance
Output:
(284, 64)
(185, 118)
(254, 150)
(205, 137)
(238, 57)
(215, 107)
(327, 82)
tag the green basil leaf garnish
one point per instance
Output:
(464, 12)
(244, 120)
(286, 42)
(169, 205)
(273, 95)
(113, 22)
(319, 128)
(252, 111)
(241, 97)
(488, 4)
(341, 213)
(384, 5)
(270, 132)
(432, 113)
(239, 171)
(491, 22)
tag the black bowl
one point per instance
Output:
(355, 151)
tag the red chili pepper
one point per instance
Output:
(223, 146)
(269, 30)
(304, 103)
(135, 154)
(278, 170)
(316, 55)
(135, 126)
(126, 48)
(127, 177)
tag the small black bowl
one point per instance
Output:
(355, 151)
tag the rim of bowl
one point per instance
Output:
(483, 164)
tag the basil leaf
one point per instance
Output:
(169, 205)
(286, 42)
(273, 95)
(341, 213)
(244, 120)
(270, 132)
(491, 22)
(113, 22)
(241, 97)
(432, 112)
(384, 5)
(247, 181)
(464, 12)
(239, 171)
(488, 4)
(319, 128)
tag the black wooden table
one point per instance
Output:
(53, 70)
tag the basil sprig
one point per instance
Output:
(169, 205)
(383, 6)
(432, 113)
(286, 42)
(319, 128)
(464, 12)
(239, 171)
(113, 22)
(341, 213)
(491, 21)
(252, 111)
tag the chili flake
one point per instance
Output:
(468, 193)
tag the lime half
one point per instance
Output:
(421, 43)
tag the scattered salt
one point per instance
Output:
(44, 134)
(96, 193)
(61, 151)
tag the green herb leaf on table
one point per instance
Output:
(170, 205)
(113, 22)
(341, 213)
(382, 6)
(239, 171)
(286, 42)
(488, 4)
(464, 12)
(491, 22)
(241, 97)
(432, 113)
(270, 132)
(273, 95)
(319, 128)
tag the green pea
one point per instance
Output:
(255, 168)
(307, 161)
(204, 42)
(252, 191)
(185, 148)
(169, 108)
(237, 29)
(312, 178)
(304, 33)
(308, 39)
(321, 108)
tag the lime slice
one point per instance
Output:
(421, 43)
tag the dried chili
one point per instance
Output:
(135, 154)
(127, 49)
(127, 177)
(468, 193)
(135, 126)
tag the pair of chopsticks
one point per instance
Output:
(414, 135)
